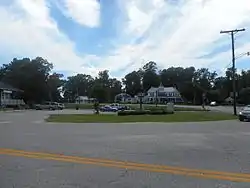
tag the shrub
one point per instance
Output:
(142, 112)
(131, 112)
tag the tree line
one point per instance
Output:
(40, 83)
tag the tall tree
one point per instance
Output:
(150, 77)
(105, 88)
(79, 85)
(28, 75)
(54, 84)
(132, 82)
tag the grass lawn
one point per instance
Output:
(133, 106)
(108, 118)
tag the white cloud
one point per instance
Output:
(28, 31)
(84, 12)
(176, 34)
(140, 14)
(173, 33)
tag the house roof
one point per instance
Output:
(5, 86)
(162, 89)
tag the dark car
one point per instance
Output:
(244, 114)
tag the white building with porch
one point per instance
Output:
(84, 100)
(10, 96)
(163, 94)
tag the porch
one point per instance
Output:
(10, 98)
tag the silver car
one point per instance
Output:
(49, 106)
(244, 114)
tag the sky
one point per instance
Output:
(88, 36)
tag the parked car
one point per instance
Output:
(213, 103)
(61, 106)
(244, 114)
(49, 106)
(108, 108)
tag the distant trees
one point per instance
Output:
(33, 77)
(39, 83)
(102, 87)
(190, 82)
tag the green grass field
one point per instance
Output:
(133, 106)
(108, 118)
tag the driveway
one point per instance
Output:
(221, 147)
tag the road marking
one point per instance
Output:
(198, 173)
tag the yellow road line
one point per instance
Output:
(237, 177)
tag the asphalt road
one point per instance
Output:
(218, 146)
(225, 109)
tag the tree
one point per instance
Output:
(105, 88)
(172, 76)
(39, 83)
(150, 66)
(150, 77)
(132, 82)
(115, 88)
(99, 92)
(28, 75)
(79, 85)
(244, 95)
(54, 84)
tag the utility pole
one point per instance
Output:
(232, 32)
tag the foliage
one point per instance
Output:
(77, 85)
(96, 107)
(103, 88)
(39, 83)
(132, 82)
(33, 77)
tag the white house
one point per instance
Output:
(84, 100)
(163, 94)
(10, 96)
(123, 97)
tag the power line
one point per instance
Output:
(232, 33)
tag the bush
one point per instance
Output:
(142, 112)
(131, 112)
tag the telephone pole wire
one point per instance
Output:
(232, 32)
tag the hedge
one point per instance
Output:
(142, 112)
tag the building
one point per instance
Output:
(163, 94)
(84, 100)
(229, 100)
(123, 98)
(10, 96)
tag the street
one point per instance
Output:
(224, 109)
(38, 154)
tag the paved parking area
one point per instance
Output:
(222, 147)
